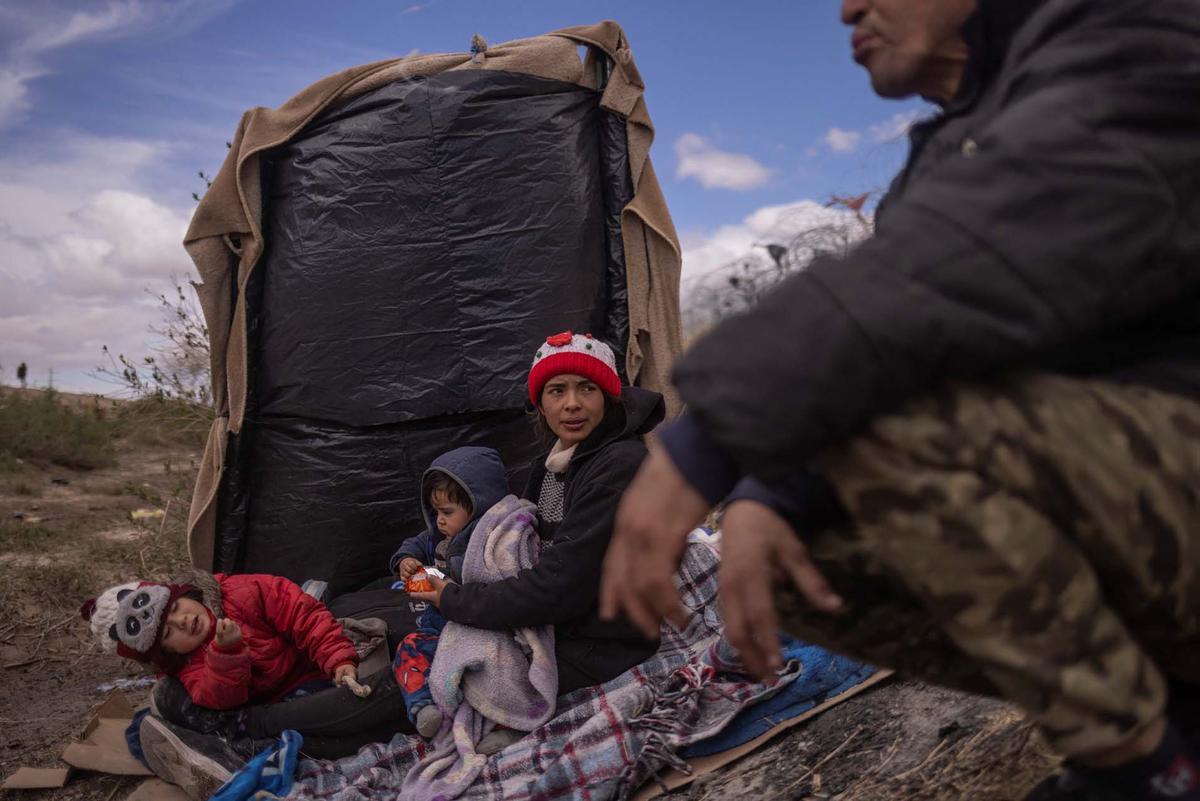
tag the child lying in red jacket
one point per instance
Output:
(244, 643)
(243, 639)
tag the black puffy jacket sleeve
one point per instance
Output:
(564, 585)
(1075, 208)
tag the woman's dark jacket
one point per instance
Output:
(563, 587)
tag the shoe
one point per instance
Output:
(429, 721)
(171, 702)
(198, 763)
(498, 740)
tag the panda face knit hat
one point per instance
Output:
(127, 619)
(574, 354)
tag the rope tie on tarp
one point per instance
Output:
(478, 48)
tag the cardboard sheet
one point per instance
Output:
(101, 748)
(673, 779)
(36, 778)
(157, 790)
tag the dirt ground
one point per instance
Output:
(65, 534)
(898, 740)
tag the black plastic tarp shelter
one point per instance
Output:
(418, 241)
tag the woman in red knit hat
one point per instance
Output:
(597, 427)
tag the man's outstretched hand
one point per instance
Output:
(653, 520)
(758, 550)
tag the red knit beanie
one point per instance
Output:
(575, 354)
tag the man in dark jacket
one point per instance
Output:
(1001, 387)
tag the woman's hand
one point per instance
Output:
(435, 596)
(228, 634)
(758, 550)
(653, 520)
(408, 565)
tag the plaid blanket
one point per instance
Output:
(604, 741)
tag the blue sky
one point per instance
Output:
(108, 109)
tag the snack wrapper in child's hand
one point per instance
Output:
(419, 582)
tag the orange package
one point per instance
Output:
(418, 582)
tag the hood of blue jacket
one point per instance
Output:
(480, 471)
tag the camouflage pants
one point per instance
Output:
(1036, 539)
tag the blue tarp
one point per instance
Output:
(825, 675)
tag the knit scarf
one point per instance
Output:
(559, 457)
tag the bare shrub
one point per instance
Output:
(170, 389)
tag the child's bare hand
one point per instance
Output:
(228, 633)
(409, 566)
(347, 675)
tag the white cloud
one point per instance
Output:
(36, 32)
(896, 127)
(80, 243)
(842, 141)
(716, 169)
(82, 26)
(14, 91)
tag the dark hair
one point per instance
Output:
(437, 481)
(541, 429)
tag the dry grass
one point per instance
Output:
(80, 432)
(162, 421)
(999, 762)
(65, 535)
(899, 741)
(41, 427)
(59, 563)
(49, 546)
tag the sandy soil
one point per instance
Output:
(65, 535)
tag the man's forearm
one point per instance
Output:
(702, 461)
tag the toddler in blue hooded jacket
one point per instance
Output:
(456, 490)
